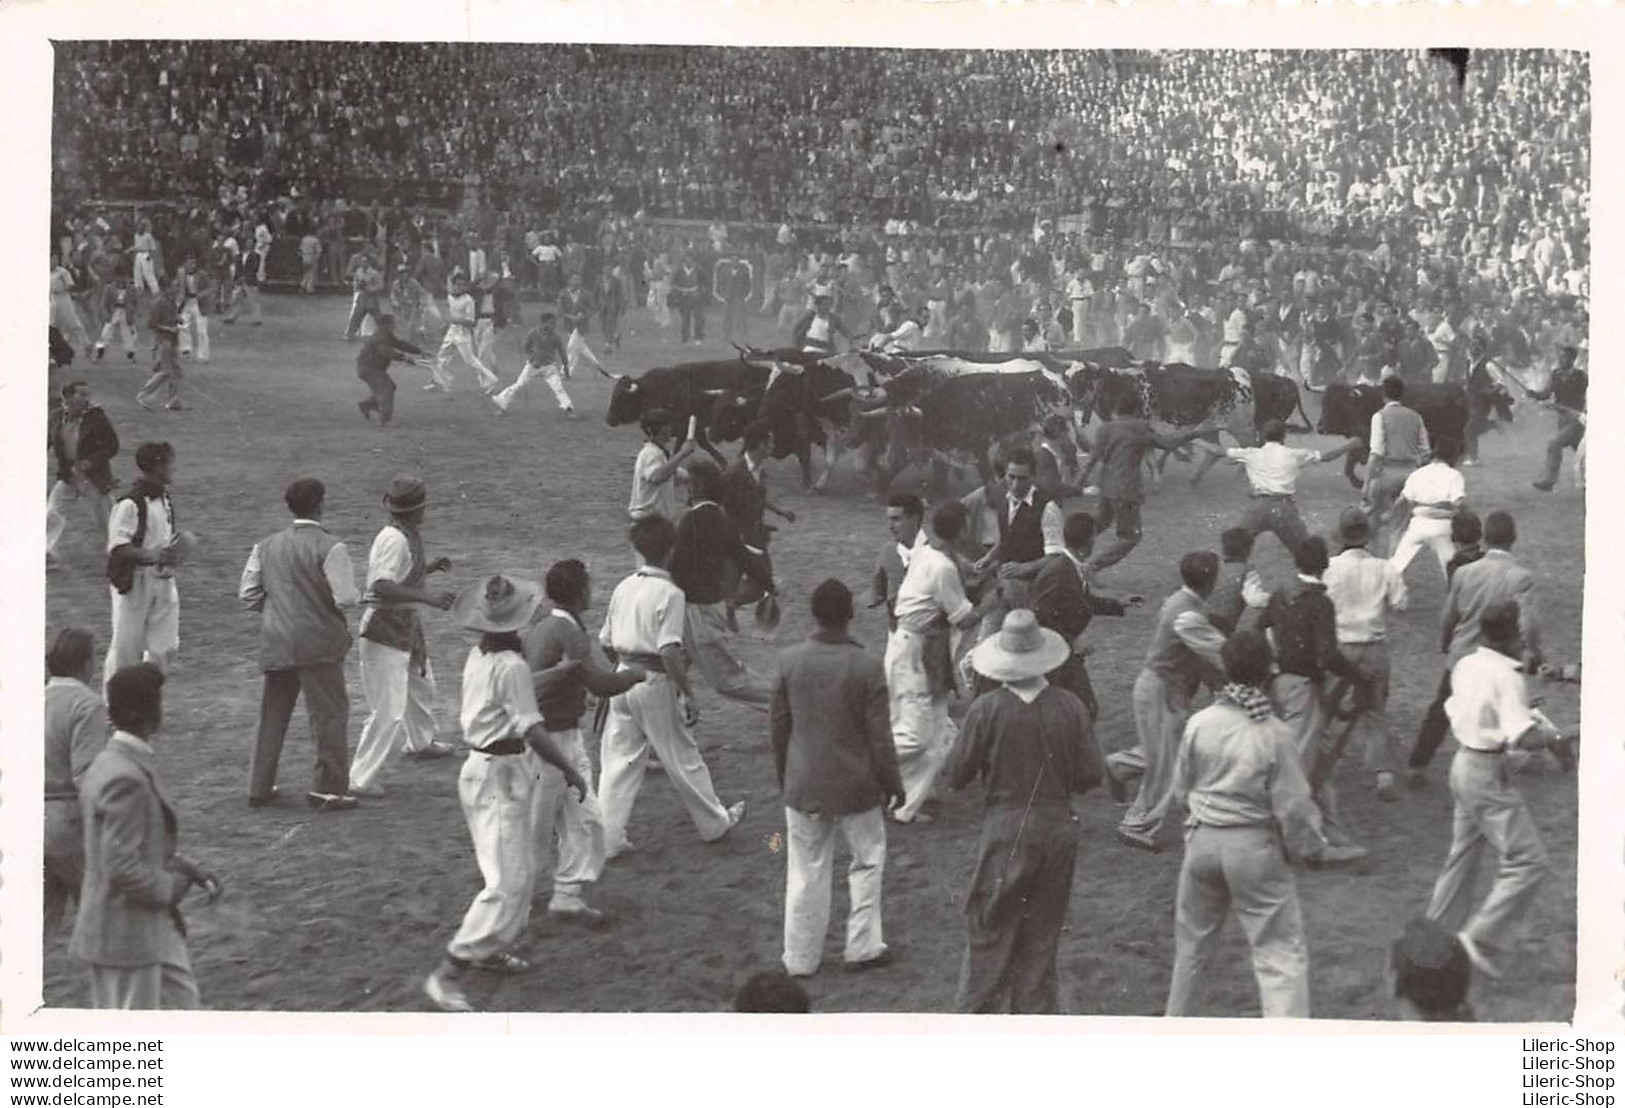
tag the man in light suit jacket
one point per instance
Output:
(1064, 603)
(1495, 577)
(129, 929)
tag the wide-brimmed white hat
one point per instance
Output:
(497, 604)
(1020, 650)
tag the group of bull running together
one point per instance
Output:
(1037, 575)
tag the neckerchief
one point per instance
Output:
(1249, 699)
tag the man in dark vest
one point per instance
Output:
(395, 671)
(301, 580)
(1399, 443)
(82, 442)
(1567, 395)
(1029, 528)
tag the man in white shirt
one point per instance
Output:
(460, 337)
(396, 674)
(644, 629)
(1363, 587)
(1434, 494)
(1490, 714)
(1399, 443)
(931, 604)
(506, 738)
(141, 538)
(1272, 471)
(654, 474)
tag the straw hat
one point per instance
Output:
(1020, 650)
(406, 494)
(497, 604)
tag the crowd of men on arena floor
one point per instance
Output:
(1286, 669)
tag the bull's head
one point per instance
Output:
(625, 402)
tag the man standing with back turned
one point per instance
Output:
(837, 769)
(301, 580)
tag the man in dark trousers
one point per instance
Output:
(1064, 603)
(837, 769)
(1120, 450)
(731, 282)
(372, 366)
(1031, 743)
(744, 498)
(707, 543)
(1495, 577)
(688, 295)
(82, 442)
(300, 580)
(164, 321)
(1566, 396)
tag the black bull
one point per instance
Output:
(713, 394)
(964, 417)
(1445, 409)
(1188, 397)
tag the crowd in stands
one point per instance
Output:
(1203, 185)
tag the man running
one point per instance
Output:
(545, 357)
(372, 366)
(460, 338)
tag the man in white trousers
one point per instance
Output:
(576, 306)
(644, 630)
(460, 338)
(395, 672)
(931, 604)
(143, 249)
(545, 357)
(196, 288)
(143, 550)
(1434, 494)
(507, 738)
(837, 769)
(565, 668)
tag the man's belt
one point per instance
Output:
(1483, 753)
(503, 748)
(1272, 496)
(652, 662)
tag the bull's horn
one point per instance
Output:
(713, 392)
(914, 410)
(842, 394)
(607, 373)
(875, 413)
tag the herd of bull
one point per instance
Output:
(938, 409)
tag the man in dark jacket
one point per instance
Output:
(82, 442)
(372, 366)
(1064, 603)
(1301, 623)
(837, 768)
(689, 297)
(1032, 746)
